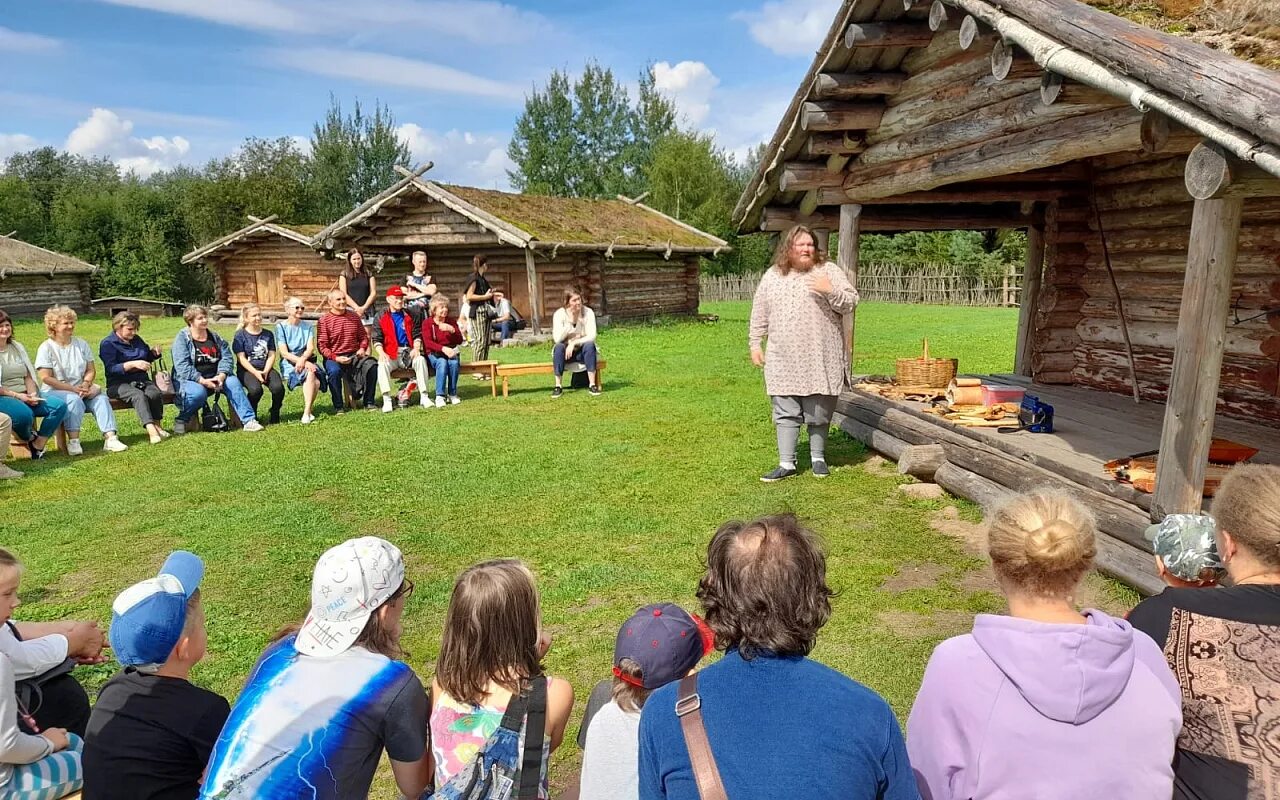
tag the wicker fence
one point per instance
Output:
(937, 284)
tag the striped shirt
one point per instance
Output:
(341, 334)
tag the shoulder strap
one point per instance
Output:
(534, 733)
(705, 771)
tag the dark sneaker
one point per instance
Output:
(781, 473)
(274, 419)
(594, 390)
(820, 469)
(556, 392)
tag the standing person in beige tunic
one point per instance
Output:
(798, 309)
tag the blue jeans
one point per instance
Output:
(586, 354)
(24, 416)
(445, 368)
(507, 327)
(99, 405)
(192, 397)
(363, 375)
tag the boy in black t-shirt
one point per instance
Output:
(151, 731)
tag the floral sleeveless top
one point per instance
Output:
(459, 731)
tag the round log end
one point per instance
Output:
(968, 32)
(1002, 59)
(1050, 88)
(937, 16)
(1208, 171)
(907, 4)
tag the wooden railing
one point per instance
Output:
(936, 284)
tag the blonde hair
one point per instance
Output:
(244, 315)
(123, 318)
(193, 311)
(782, 254)
(1042, 542)
(628, 696)
(1247, 506)
(58, 313)
(490, 631)
(437, 301)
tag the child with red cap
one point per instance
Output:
(660, 644)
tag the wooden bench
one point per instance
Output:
(487, 367)
(508, 371)
(18, 449)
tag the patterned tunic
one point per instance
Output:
(805, 354)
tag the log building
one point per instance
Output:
(266, 262)
(32, 279)
(1143, 166)
(630, 259)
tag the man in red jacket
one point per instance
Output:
(344, 343)
(397, 342)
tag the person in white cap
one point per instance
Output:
(152, 730)
(329, 695)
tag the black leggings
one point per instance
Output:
(253, 387)
(148, 401)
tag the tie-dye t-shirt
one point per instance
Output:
(315, 727)
(459, 730)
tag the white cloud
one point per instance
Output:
(394, 71)
(106, 133)
(12, 41)
(11, 143)
(461, 157)
(790, 27)
(689, 85)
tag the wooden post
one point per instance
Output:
(535, 296)
(824, 239)
(1029, 300)
(847, 260)
(1197, 357)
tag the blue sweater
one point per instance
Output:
(115, 351)
(782, 727)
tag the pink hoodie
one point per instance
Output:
(1037, 711)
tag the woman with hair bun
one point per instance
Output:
(1047, 702)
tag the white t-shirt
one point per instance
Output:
(32, 657)
(69, 363)
(504, 309)
(610, 763)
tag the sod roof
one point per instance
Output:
(19, 257)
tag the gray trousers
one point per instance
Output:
(790, 412)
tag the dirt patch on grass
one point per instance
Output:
(937, 625)
(914, 575)
(879, 465)
(948, 521)
(591, 604)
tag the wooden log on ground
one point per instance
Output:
(922, 461)
(1129, 565)
(840, 115)
(887, 34)
(971, 486)
(883, 443)
(853, 85)
(1211, 172)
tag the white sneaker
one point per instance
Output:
(454, 399)
(439, 401)
(7, 472)
(307, 419)
(426, 402)
(253, 426)
(112, 445)
(387, 407)
(74, 448)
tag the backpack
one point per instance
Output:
(212, 418)
(500, 766)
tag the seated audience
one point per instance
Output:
(152, 730)
(329, 695)
(1018, 707)
(344, 343)
(66, 367)
(491, 657)
(42, 655)
(126, 359)
(202, 365)
(658, 645)
(397, 343)
(503, 319)
(1185, 550)
(441, 338)
(255, 352)
(20, 397)
(34, 766)
(1224, 647)
(418, 288)
(573, 329)
(296, 344)
(6, 430)
(775, 719)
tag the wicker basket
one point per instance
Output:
(924, 371)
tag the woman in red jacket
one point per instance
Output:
(441, 339)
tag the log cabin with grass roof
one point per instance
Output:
(1145, 168)
(266, 262)
(631, 260)
(32, 279)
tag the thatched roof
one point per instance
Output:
(876, 56)
(536, 221)
(302, 234)
(18, 257)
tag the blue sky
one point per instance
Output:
(154, 83)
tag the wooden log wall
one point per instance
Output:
(645, 285)
(26, 295)
(1054, 338)
(1146, 214)
(268, 271)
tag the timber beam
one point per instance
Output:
(832, 144)
(836, 115)
(850, 85)
(1212, 173)
(887, 34)
(959, 193)
(806, 175)
(906, 218)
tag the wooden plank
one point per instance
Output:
(1030, 299)
(840, 115)
(535, 296)
(847, 260)
(850, 86)
(887, 34)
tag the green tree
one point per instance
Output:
(20, 211)
(543, 145)
(353, 157)
(49, 173)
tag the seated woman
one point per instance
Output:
(1047, 702)
(202, 366)
(573, 329)
(126, 359)
(65, 365)
(296, 344)
(255, 351)
(1224, 647)
(43, 766)
(20, 397)
(441, 339)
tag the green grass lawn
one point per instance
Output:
(611, 500)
